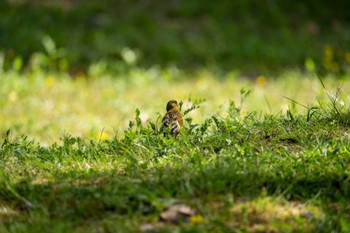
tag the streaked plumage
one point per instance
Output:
(172, 121)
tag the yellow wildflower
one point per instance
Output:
(103, 136)
(49, 81)
(196, 219)
(261, 80)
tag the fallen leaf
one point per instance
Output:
(177, 213)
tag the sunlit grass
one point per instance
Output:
(47, 106)
(248, 159)
(267, 214)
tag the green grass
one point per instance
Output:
(45, 106)
(241, 170)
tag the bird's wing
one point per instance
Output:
(176, 123)
(166, 121)
(173, 122)
(175, 128)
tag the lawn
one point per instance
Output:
(269, 154)
(46, 106)
(263, 86)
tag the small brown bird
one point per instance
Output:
(172, 120)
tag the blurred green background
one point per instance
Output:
(249, 36)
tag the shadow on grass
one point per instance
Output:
(76, 198)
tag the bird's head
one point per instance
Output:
(172, 104)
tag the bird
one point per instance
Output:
(173, 120)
